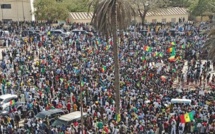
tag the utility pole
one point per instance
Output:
(81, 98)
(17, 12)
(23, 12)
(2, 14)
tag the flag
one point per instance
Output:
(118, 118)
(104, 69)
(143, 58)
(147, 48)
(160, 54)
(90, 51)
(173, 43)
(169, 50)
(183, 46)
(173, 53)
(182, 119)
(136, 54)
(107, 47)
(155, 54)
(98, 42)
(42, 70)
(110, 42)
(172, 59)
(82, 83)
(187, 117)
(191, 115)
(12, 103)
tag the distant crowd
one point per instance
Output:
(158, 62)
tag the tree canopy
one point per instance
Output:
(53, 10)
(180, 3)
(78, 5)
(143, 6)
(59, 9)
(202, 7)
(50, 10)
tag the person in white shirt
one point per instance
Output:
(173, 127)
(199, 125)
(181, 128)
(116, 130)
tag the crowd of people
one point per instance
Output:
(48, 71)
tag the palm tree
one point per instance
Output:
(209, 45)
(108, 16)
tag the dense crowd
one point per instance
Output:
(48, 71)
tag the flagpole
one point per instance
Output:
(82, 122)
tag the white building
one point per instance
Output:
(160, 15)
(16, 10)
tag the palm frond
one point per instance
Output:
(210, 45)
(212, 32)
(103, 11)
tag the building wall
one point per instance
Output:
(149, 19)
(20, 10)
(79, 21)
(167, 18)
(202, 18)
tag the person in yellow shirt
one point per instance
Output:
(75, 107)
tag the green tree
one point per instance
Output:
(77, 5)
(209, 8)
(50, 10)
(108, 16)
(202, 7)
(209, 45)
(179, 3)
(143, 6)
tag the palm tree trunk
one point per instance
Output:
(116, 59)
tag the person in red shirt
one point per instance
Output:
(73, 99)
(166, 126)
(75, 123)
(59, 105)
(106, 129)
(68, 106)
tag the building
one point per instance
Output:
(80, 17)
(160, 15)
(165, 15)
(16, 10)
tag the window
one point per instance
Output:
(6, 6)
(56, 115)
(163, 20)
(173, 20)
(154, 20)
(7, 100)
(7, 20)
(1, 100)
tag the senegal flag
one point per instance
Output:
(172, 59)
(147, 48)
(187, 117)
(12, 103)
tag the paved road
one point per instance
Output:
(192, 86)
